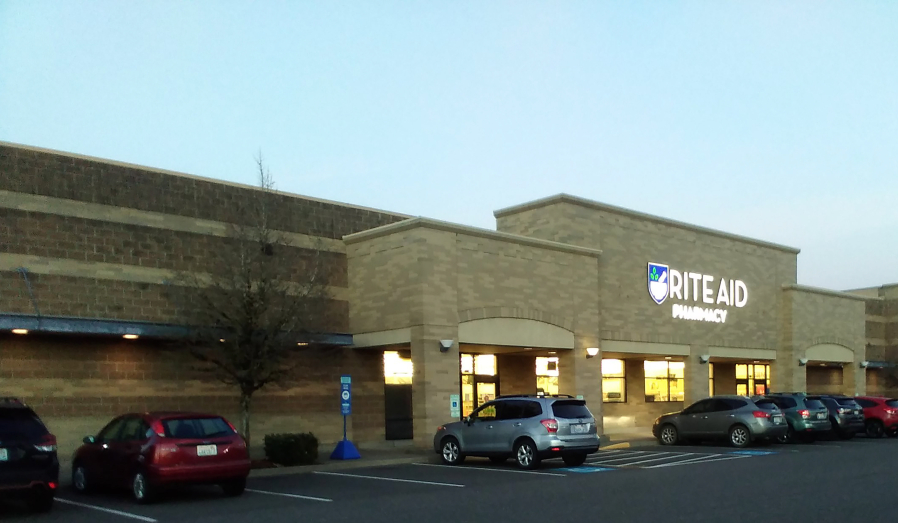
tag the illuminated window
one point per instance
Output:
(614, 381)
(752, 379)
(711, 378)
(485, 364)
(397, 370)
(547, 375)
(664, 380)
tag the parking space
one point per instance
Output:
(316, 495)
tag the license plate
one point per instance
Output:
(4, 455)
(206, 450)
(821, 415)
(777, 419)
(582, 428)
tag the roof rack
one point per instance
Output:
(535, 396)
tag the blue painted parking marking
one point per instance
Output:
(753, 452)
(585, 470)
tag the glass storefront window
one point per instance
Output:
(711, 378)
(664, 380)
(397, 370)
(752, 379)
(485, 364)
(547, 375)
(467, 364)
(614, 381)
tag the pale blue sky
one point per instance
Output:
(775, 120)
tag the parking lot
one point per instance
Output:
(619, 482)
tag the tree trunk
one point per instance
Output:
(245, 401)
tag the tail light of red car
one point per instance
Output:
(47, 443)
(891, 412)
(157, 427)
(551, 425)
(164, 452)
(804, 413)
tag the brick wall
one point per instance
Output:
(517, 374)
(59, 175)
(78, 385)
(825, 380)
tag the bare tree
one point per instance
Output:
(250, 316)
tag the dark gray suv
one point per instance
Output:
(528, 428)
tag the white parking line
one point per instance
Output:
(653, 459)
(390, 479)
(603, 461)
(107, 510)
(704, 459)
(297, 496)
(611, 453)
(488, 469)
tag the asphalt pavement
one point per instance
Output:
(818, 482)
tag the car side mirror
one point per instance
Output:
(90, 440)
(469, 420)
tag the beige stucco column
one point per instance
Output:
(582, 376)
(436, 377)
(695, 386)
(854, 379)
(786, 374)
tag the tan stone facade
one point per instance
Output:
(100, 240)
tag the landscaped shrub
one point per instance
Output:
(291, 449)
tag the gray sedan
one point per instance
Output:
(734, 418)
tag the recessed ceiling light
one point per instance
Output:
(528, 348)
(130, 336)
(221, 340)
(667, 357)
(20, 331)
(551, 352)
(302, 344)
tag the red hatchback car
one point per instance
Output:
(146, 452)
(880, 415)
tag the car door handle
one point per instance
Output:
(517, 424)
(731, 415)
(489, 427)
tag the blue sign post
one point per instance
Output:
(345, 449)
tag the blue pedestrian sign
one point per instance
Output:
(345, 395)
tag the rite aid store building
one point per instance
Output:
(635, 313)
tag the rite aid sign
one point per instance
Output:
(664, 283)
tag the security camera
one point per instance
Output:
(802, 361)
(445, 345)
(704, 358)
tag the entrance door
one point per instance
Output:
(398, 412)
(479, 381)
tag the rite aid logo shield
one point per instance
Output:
(659, 285)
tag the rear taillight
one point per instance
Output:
(891, 412)
(164, 449)
(551, 425)
(47, 444)
(761, 414)
(232, 426)
(157, 427)
(52, 485)
(804, 413)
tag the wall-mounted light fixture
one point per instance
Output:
(445, 345)
(592, 352)
(865, 364)
(20, 331)
(802, 361)
(704, 358)
(130, 336)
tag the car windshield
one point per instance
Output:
(20, 424)
(196, 428)
(571, 409)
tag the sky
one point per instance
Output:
(769, 119)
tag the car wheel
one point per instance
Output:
(141, 489)
(875, 429)
(574, 460)
(81, 479)
(234, 488)
(525, 455)
(40, 500)
(740, 437)
(498, 459)
(668, 435)
(788, 437)
(451, 452)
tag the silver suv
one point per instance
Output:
(530, 428)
